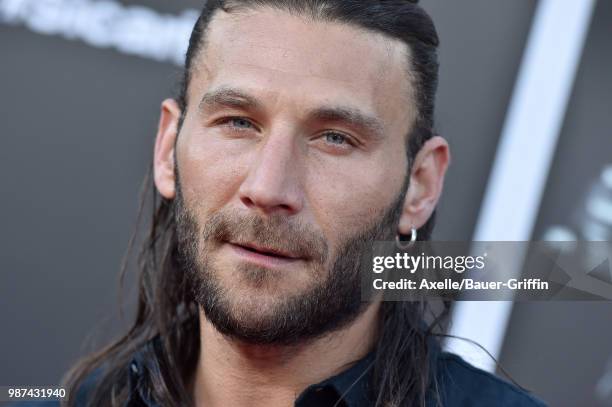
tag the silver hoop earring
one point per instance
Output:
(413, 238)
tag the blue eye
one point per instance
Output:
(240, 123)
(336, 138)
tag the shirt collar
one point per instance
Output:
(350, 387)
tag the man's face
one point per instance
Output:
(291, 160)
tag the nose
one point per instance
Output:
(272, 185)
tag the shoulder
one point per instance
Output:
(85, 389)
(462, 384)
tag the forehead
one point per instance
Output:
(297, 60)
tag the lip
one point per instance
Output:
(262, 256)
(266, 250)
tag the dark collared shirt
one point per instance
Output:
(460, 385)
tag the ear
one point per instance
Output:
(426, 182)
(163, 162)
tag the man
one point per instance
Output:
(303, 132)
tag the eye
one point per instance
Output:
(336, 138)
(239, 123)
(336, 142)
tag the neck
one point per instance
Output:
(234, 373)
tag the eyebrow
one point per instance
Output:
(229, 97)
(351, 116)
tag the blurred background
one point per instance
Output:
(81, 84)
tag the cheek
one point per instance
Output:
(210, 170)
(356, 194)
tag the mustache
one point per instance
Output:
(276, 232)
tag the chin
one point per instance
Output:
(251, 318)
(260, 292)
(255, 314)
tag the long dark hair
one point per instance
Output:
(401, 373)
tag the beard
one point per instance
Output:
(330, 300)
